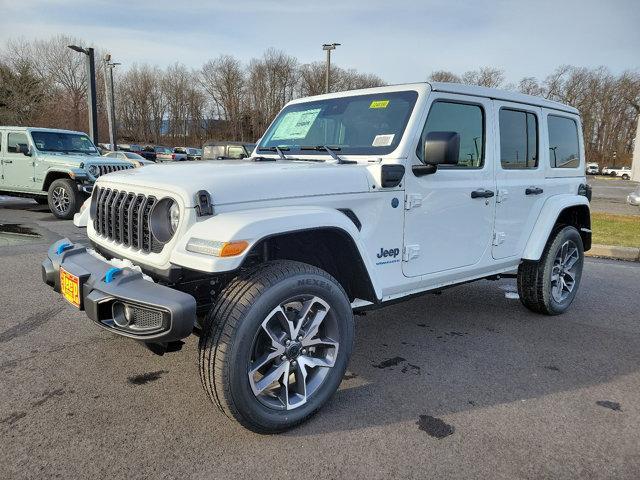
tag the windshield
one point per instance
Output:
(63, 142)
(363, 124)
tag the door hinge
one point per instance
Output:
(502, 195)
(498, 238)
(409, 252)
(412, 200)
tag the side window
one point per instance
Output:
(14, 140)
(236, 151)
(518, 139)
(463, 118)
(564, 151)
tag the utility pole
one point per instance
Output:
(328, 47)
(110, 96)
(91, 91)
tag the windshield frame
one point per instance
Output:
(35, 133)
(411, 95)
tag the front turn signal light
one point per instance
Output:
(215, 248)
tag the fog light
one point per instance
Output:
(122, 314)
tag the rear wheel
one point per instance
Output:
(276, 344)
(625, 176)
(64, 198)
(549, 285)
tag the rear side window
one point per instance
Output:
(465, 119)
(14, 140)
(236, 152)
(518, 139)
(564, 151)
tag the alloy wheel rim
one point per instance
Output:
(564, 271)
(293, 352)
(61, 199)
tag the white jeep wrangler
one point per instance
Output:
(350, 201)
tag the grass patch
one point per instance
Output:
(622, 230)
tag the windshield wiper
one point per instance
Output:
(330, 151)
(278, 150)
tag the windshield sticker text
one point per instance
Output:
(379, 104)
(383, 140)
(295, 125)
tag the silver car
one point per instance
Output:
(634, 197)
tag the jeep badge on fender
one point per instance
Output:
(488, 182)
(394, 252)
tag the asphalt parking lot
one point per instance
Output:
(466, 384)
(610, 195)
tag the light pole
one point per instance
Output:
(91, 91)
(328, 47)
(111, 102)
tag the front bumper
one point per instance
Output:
(154, 313)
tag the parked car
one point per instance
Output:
(592, 169)
(191, 153)
(357, 200)
(216, 150)
(55, 167)
(634, 197)
(164, 154)
(137, 160)
(622, 172)
(147, 153)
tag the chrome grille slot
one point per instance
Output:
(124, 218)
(103, 169)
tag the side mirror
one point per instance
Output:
(24, 149)
(441, 148)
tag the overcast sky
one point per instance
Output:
(401, 41)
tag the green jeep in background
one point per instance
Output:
(54, 167)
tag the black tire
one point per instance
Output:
(63, 198)
(625, 176)
(535, 281)
(234, 324)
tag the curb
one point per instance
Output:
(630, 254)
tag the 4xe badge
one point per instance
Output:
(390, 254)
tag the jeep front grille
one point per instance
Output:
(104, 169)
(124, 218)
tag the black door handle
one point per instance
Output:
(8, 161)
(533, 191)
(482, 193)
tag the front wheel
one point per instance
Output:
(276, 344)
(63, 198)
(549, 285)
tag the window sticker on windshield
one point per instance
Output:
(379, 104)
(383, 140)
(295, 124)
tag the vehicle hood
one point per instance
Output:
(238, 181)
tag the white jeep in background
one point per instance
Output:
(350, 201)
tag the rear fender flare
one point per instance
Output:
(547, 219)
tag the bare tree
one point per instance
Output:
(223, 79)
(485, 77)
(444, 76)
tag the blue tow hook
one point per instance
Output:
(111, 274)
(62, 247)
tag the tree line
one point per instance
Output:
(43, 83)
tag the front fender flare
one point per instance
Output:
(547, 218)
(256, 224)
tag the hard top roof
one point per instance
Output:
(455, 88)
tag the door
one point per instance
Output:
(18, 169)
(519, 176)
(449, 214)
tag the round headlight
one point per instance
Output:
(93, 170)
(164, 219)
(174, 217)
